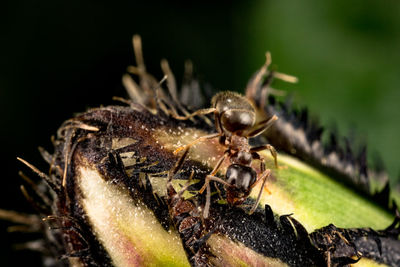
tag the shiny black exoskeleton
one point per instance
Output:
(241, 178)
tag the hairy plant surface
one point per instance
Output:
(117, 194)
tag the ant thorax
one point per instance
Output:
(241, 150)
(239, 143)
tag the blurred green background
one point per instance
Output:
(61, 57)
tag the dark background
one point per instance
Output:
(62, 57)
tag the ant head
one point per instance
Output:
(241, 179)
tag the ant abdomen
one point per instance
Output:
(242, 177)
(235, 112)
(235, 120)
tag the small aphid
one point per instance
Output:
(235, 119)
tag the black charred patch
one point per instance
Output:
(342, 246)
(282, 237)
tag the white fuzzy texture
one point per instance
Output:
(128, 230)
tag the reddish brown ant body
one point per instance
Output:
(235, 122)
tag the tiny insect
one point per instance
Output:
(235, 119)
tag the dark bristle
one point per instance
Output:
(301, 232)
(304, 117)
(287, 227)
(269, 215)
(332, 145)
(378, 164)
(393, 230)
(314, 131)
(362, 161)
(383, 197)
(348, 156)
(271, 100)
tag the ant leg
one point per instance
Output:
(264, 176)
(208, 196)
(211, 136)
(209, 177)
(262, 169)
(214, 172)
(212, 178)
(201, 138)
(260, 127)
(178, 165)
(328, 258)
(187, 184)
(271, 149)
(208, 203)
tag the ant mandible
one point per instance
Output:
(235, 118)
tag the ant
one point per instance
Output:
(235, 122)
